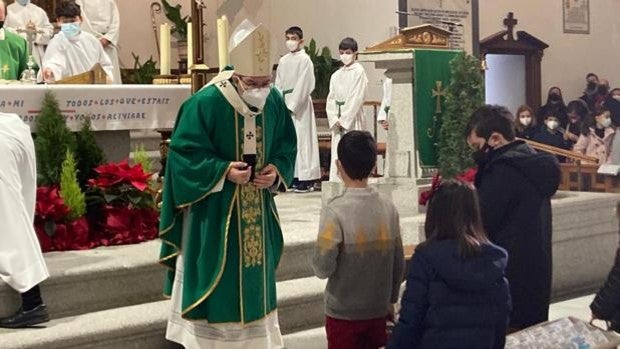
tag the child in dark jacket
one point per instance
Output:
(456, 294)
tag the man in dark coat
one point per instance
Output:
(515, 184)
(606, 304)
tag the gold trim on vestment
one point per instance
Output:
(282, 180)
(221, 271)
(240, 262)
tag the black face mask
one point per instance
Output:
(554, 97)
(602, 89)
(481, 155)
(591, 85)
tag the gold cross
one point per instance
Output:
(438, 92)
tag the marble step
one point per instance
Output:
(143, 325)
(111, 277)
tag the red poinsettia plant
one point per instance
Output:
(129, 214)
(53, 227)
(468, 176)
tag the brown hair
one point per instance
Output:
(454, 214)
(521, 109)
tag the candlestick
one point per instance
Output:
(190, 47)
(164, 49)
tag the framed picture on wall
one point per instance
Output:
(576, 16)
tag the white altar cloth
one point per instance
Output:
(110, 107)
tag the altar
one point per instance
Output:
(114, 110)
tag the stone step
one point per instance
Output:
(111, 277)
(309, 339)
(300, 307)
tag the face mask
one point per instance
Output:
(256, 97)
(554, 97)
(602, 89)
(481, 155)
(552, 124)
(606, 122)
(70, 30)
(591, 85)
(616, 97)
(525, 121)
(292, 45)
(23, 2)
(346, 58)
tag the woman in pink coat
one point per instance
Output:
(597, 139)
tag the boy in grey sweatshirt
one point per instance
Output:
(359, 250)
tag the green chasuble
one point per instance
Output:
(233, 240)
(13, 55)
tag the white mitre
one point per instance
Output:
(250, 50)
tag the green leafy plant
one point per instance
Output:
(88, 154)
(173, 13)
(142, 73)
(70, 190)
(53, 140)
(464, 95)
(141, 157)
(324, 67)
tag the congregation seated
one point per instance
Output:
(551, 133)
(597, 138)
(613, 104)
(555, 103)
(73, 51)
(526, 125)
(578, 113)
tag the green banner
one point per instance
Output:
(431, 78)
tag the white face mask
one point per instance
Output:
(552, 124)
(346, 58)
(616, 97)
(606, 122)
(526, 120)
(292, 45)
(256, 97)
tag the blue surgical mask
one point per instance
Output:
(71, 30)
(23, 2)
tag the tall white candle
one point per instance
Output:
(164, 49)
(221, 43)
(190, 48)
(226, 37)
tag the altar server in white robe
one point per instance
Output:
(295, 80)
(386, 104)
(24, 15)
(101, 18)
(73, 51)
(21, 262)
(347, 89)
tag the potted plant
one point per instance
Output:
(179, 27)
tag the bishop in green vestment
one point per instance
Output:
(222, 223)
(13, 51)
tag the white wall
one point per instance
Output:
(506, 85)
(566, 62)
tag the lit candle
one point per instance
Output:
(190, 48)
(164, 49)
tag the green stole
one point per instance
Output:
(233, 239)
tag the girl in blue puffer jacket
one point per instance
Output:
(456, 294)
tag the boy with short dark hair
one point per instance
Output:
(344, 106)
(551, 133)
(359, 250)
(295, 80)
